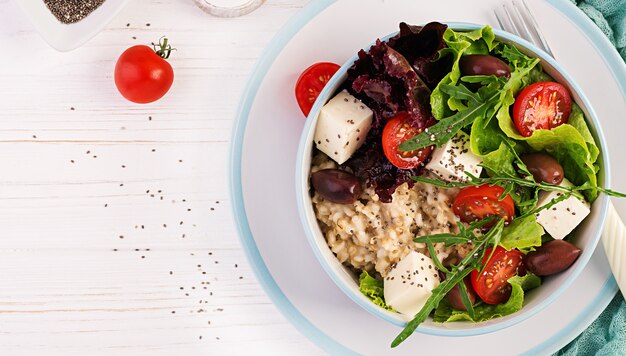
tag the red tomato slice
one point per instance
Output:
(543, 105)
(476, 203)
(396, 131)
(491, 285)
(311, 82)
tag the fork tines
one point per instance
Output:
(515, 17)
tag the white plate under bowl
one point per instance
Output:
(265, 141)
(66, 37)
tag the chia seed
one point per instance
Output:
(72, 11)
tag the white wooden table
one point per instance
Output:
(117, 235)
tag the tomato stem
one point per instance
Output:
(165, 49)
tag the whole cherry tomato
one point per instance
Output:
(142, 74)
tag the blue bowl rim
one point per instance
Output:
(525, 313)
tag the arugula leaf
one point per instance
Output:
(444, 130)
(482, 79)
(483, 312)
(504, 181)
(514, 56)
(461, 92)
(470, 262)
(467, 303)
(518, 160)
(373, 289)
(469, 232)
(465, 235)
(551, 203)
(448, 239)
(501, 163)
(436, 262)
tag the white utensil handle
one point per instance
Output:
(614, 241)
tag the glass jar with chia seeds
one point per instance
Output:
(229, 8)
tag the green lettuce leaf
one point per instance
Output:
(538, 75)
(479, 41)
(577, 119)
(373, 289)
(571, 144)
(499, 163)
(523, 234)
(483, 312)
(486, 136)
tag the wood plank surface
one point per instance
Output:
(117, 235)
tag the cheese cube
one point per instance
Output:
(560, 219)
(451, 160)
(342, 126)
(410, 283)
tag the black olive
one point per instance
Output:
(337, 185)
(483, 64)
(552, 257)
(543, 167)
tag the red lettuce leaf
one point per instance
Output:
(371, 166)
(391, 78)
(384, 79)
(420, 45)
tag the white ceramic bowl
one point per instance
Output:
(587, 235)
(66, 37)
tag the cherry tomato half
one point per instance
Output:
(396, 131)
(491, 285)
(476, 203)
(543, 105)
(311, 82)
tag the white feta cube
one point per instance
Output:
(342, 126)
(560, 219)
(454, 158)
(410, 283)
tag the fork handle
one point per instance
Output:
(614, 241)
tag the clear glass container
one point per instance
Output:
(229, 8)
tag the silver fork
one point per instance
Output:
(515, 17)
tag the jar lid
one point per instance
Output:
(229, 8)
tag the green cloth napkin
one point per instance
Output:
(610, 16)
(607, 334)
